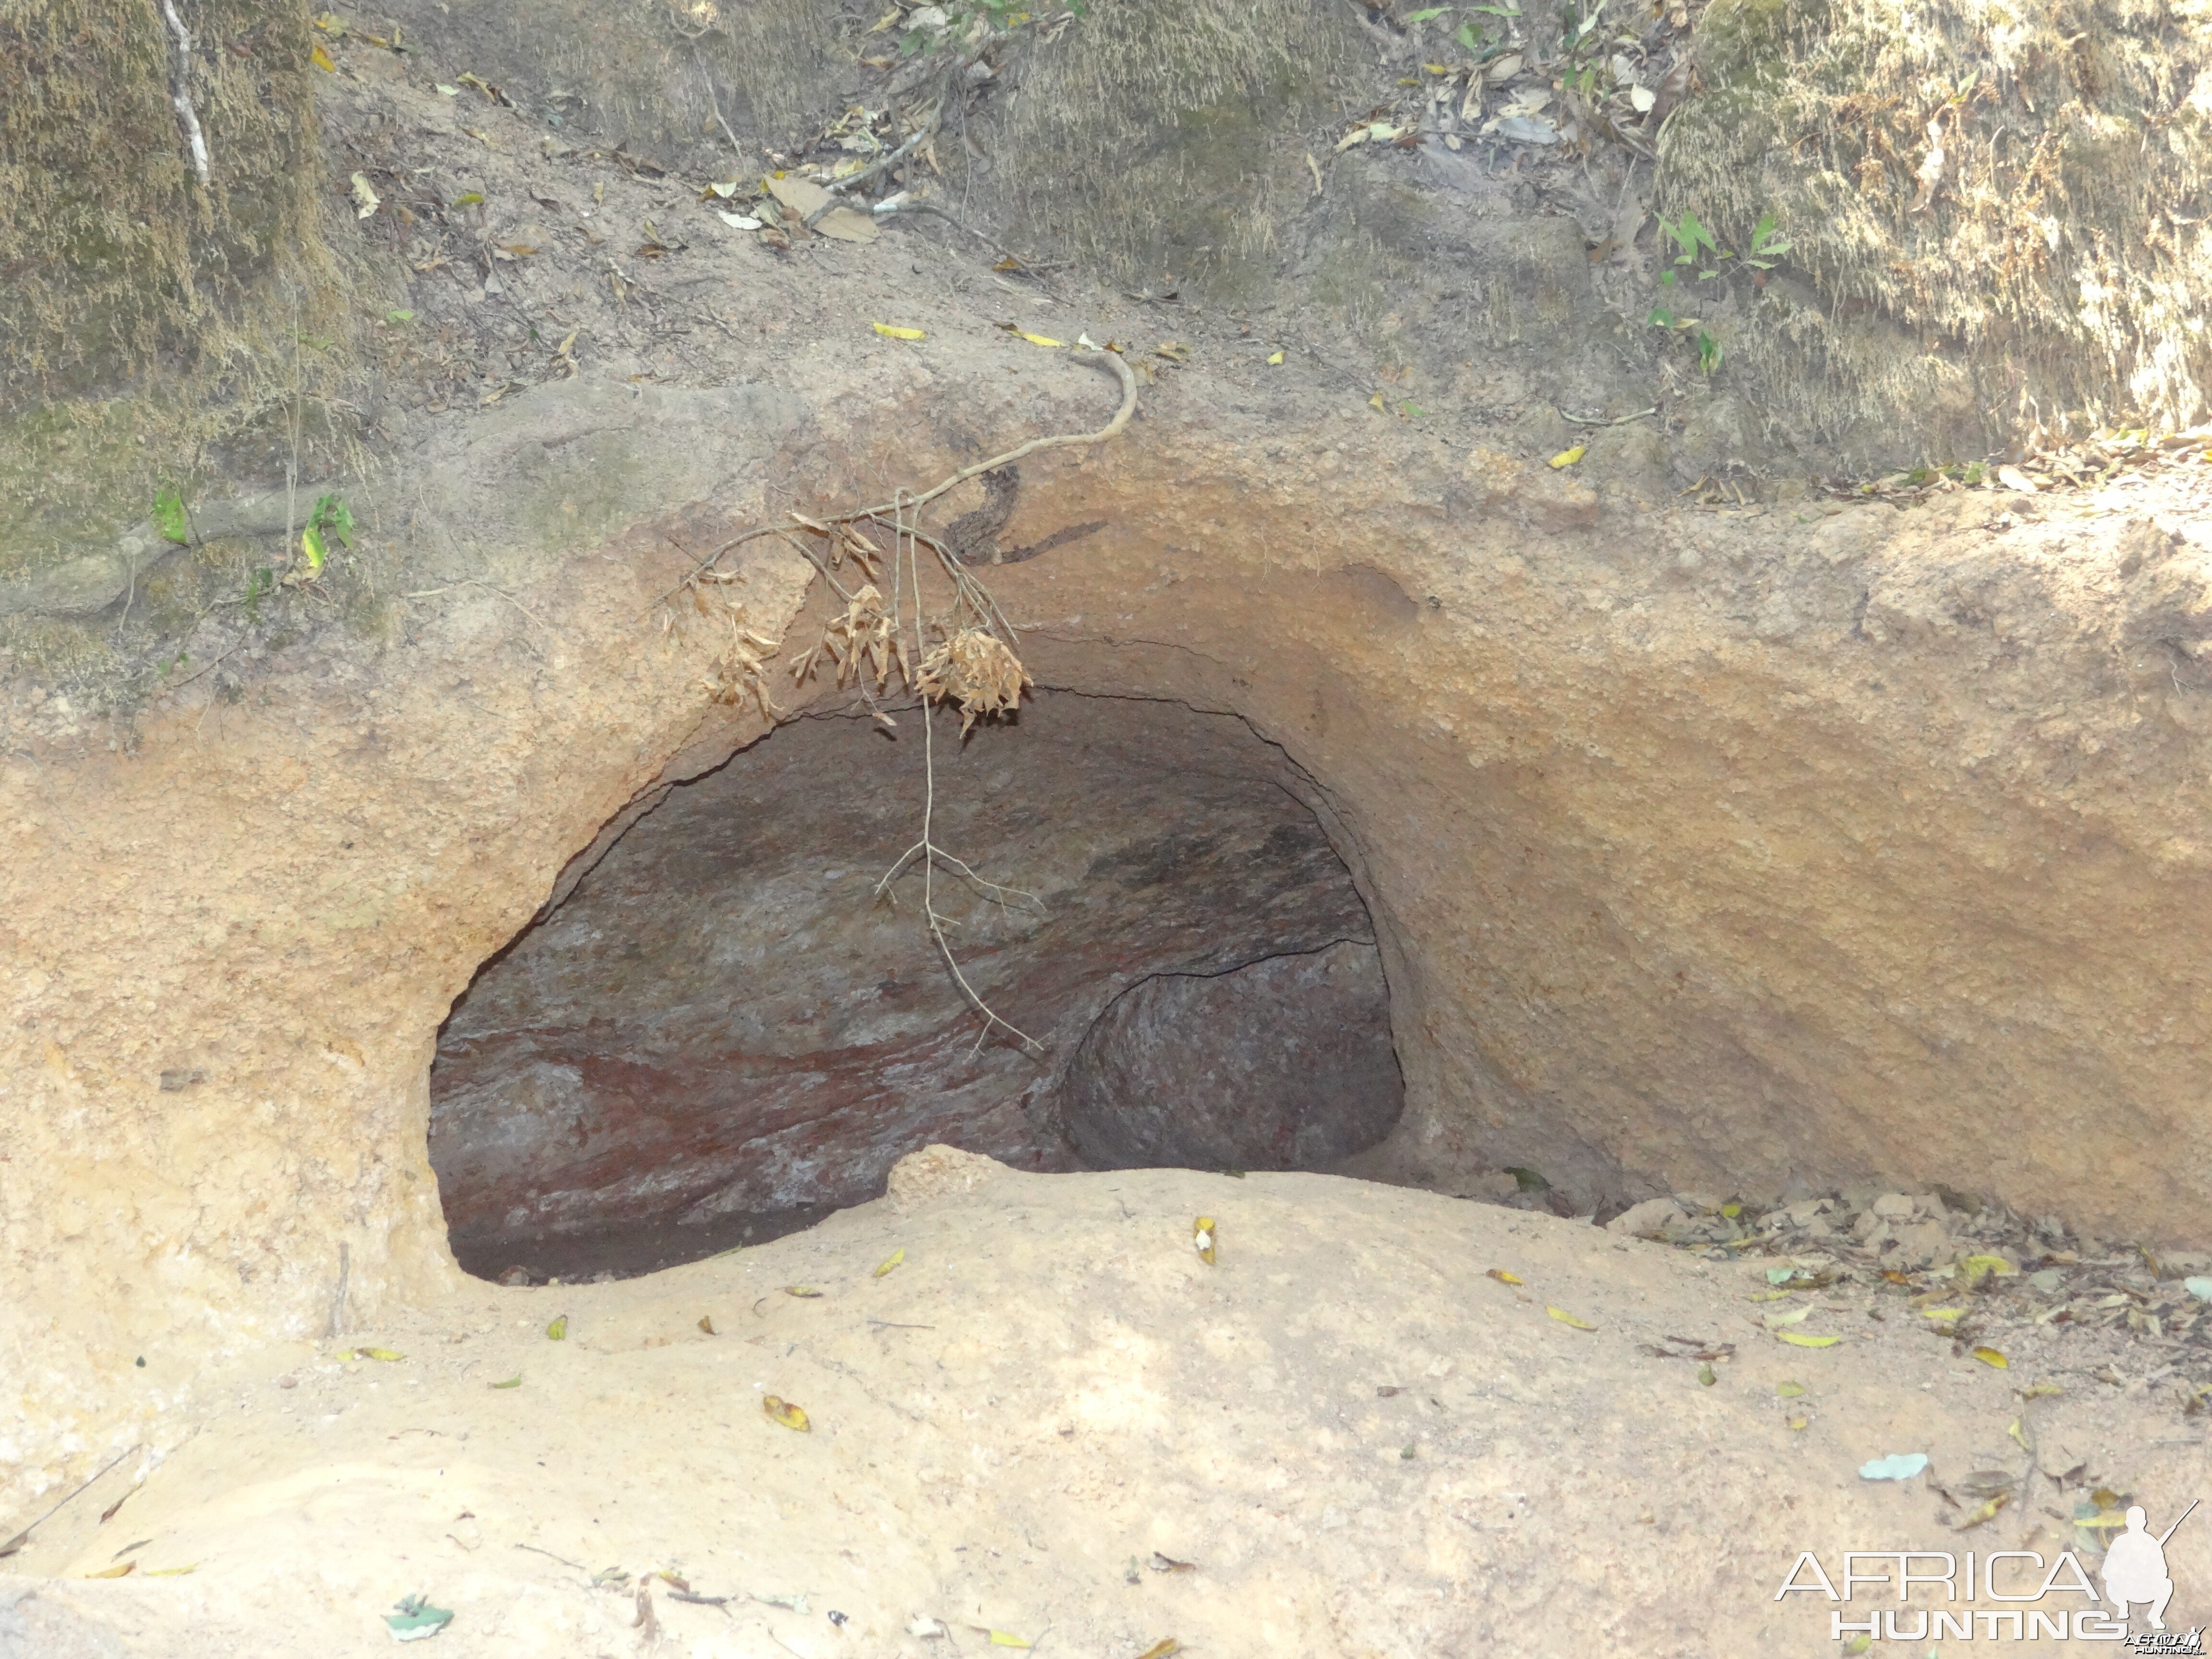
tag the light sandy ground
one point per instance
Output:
(1360, 1440)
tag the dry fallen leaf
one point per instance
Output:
(1505, 1278)
(783, 1412)
(889, 332)
(1162, 1648)
(128, 1567)
(1038, 339)
(364, 199)
(891, 1261)
(323, 60)
(1566, 1318)
(1986, 1512)
(801, 1290)
(1798, 1338)
(1993, 1356)
(840, 224)
(707, 1323)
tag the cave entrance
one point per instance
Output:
(720, 1034)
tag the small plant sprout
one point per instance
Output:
(169, 518)
(330, 517)
(1768, 245)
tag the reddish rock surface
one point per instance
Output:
(1200, 1069)
(721, 1027)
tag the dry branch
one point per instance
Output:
(973, 662)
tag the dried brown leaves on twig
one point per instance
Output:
(976, 670)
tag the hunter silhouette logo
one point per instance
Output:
(2134, 1567)
(2133, 1572)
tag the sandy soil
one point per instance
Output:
(1360, 1438)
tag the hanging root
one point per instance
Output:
(967, 656)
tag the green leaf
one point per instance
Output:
(398, 316)
(332, 514)
(469, 198)
(1427, 13)
(311, 544)
(1466, 36)
(1079, 7)
(169, 517)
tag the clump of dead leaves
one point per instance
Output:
(976, 670)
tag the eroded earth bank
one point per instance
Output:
(1699, 892)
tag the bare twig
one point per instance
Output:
(707, 76)
(180, 93)
(16, 1543)
(1618, 420)
(1108, 360)
(883, 164)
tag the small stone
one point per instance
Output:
(1653, 1218)
(515, 1277)
(1893, 1206)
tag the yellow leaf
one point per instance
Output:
(707, 1323)
(385, 1354)
(1201, 1238)
(123, 1572)
(1569, 457)
(1505, 1278)
(1858, 1644)
(1979, 1268)
(1798, 1338)
(520, 250)
(1790, 1390)
(1942, 1313)
(1375, 402)
(1795, 1422)
(511, 1383)
(1036, 339)
(323, 60)
(783, 1412)
(1161, 1649)
(1778, 1321)
(1987, 1511)
(1001, 1639)
(558, 1330)
(171, 1572)
(2015, 1432)
(886, 20)
(1731, 1211)
(1566, 1318)
(891, 333)
(1276, 358)
(800, 1291)
(896, 1257)
(469, 198)
(2041, 1391)
(1992, 1357)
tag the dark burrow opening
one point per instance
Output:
(721, 1033)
